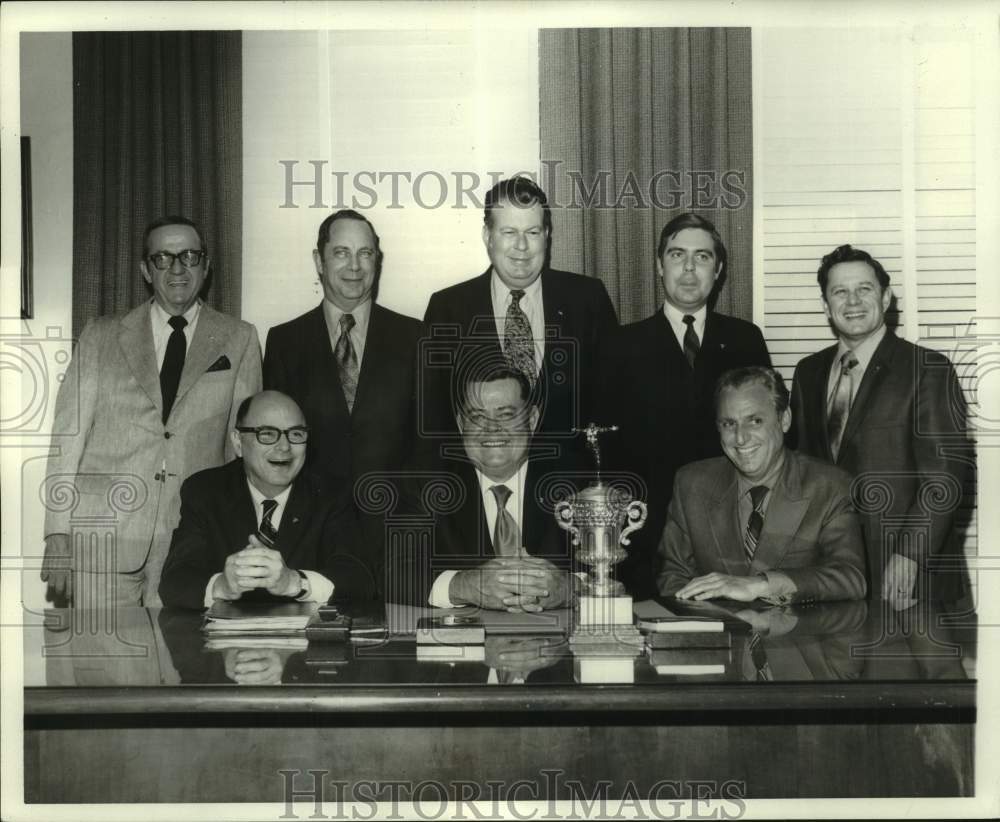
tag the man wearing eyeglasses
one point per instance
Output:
(500, 549)
(259, 528)
(148, 401)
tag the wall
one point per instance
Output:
(372, 103)
(35, 351)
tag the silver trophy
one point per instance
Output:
(600, 519)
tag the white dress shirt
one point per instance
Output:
(531, 305)
(515, 507)
(160, 322)
(361, 313)
(318, 587)
(676, 320)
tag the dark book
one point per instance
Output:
(690, 639)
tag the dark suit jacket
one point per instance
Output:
(380, 433)
(811, 532)
(578, 316)
(317, 533)
(459, 536)
(908, 410)
(665, 414)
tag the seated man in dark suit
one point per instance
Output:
(500, 549)
(762, 522)
(660, 373)
(258, 528)
(892, 414)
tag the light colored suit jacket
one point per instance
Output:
(116, 468)
(811, 532)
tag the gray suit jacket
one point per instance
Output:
(115, 466)
(811, 532)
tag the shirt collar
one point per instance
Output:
(676, 317)
(361, 314)
(501, 291)
(514, 482)
(865, 350)
(162, 318)
(258, 497)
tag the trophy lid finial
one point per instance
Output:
(591, 432)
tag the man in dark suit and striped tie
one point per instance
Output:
(259, 528)
(761, 522)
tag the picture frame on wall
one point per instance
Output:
(27, 275)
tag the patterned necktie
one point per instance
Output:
(840, 403)
(173, 364)
(267, 533)
(506, 540)
(758, 659)
(518, 344)
(347, 360)
(756, 522)
(691, 344)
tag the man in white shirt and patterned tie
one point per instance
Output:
(501, 548)
(547, 323)
(893, 415)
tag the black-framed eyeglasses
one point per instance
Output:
(269, 435)
(164, 260)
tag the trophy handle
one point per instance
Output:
(636, 512)
(564, 519)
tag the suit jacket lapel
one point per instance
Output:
(295, 517)
(242, 518)
(484, 326)
(136, 342)
(877, 368)
(785, 511)
(722, 514)
(203, 351)
(376, 348)
(814, 397)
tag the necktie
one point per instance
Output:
(691, 344)
(518, 345)
(506, 540)
(347, 360)
(756, 522)
(758, 659)
(267, 533)
(840, 402)
(173, 364)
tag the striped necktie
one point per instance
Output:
(267, 533)
(756, 522)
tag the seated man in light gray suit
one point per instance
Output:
(762, 522)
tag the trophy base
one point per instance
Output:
(604, 625)
(599, 612)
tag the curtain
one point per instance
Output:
(663, 117)
(157, 130)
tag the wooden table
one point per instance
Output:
(861, 701)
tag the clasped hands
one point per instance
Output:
(513, 584)
(256, 566)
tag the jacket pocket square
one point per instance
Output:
(221, 364)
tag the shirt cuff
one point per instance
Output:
(320, 588)
(209, 598)
(439, 590)
(781, 588)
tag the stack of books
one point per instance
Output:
(686, 645)
(451, 638)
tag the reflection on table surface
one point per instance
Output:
(820, 643)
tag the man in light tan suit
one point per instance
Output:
(149, 400)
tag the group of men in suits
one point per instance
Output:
(530, 354)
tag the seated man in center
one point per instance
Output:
(261, 529)
(501, 549)
(761, 522)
